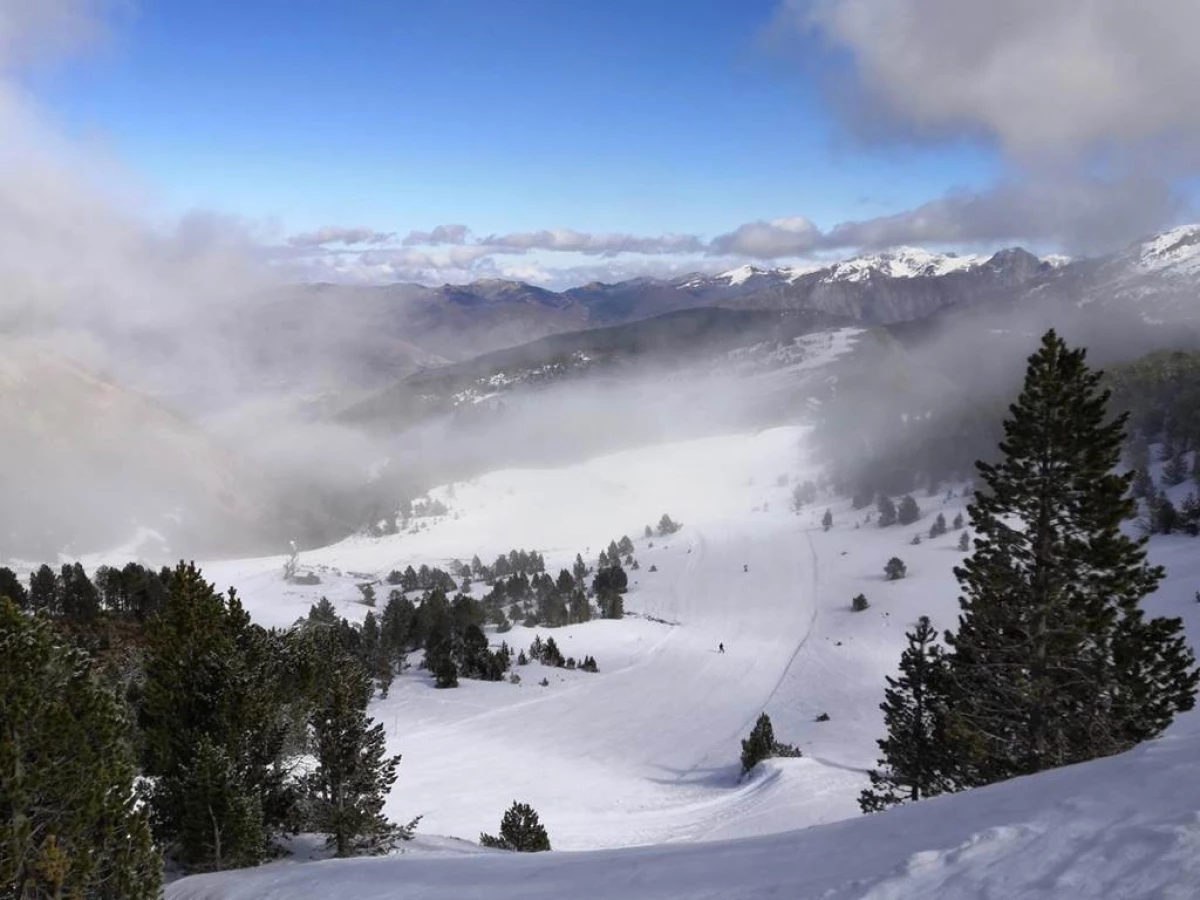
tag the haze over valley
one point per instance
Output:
(642, 450)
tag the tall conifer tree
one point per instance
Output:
(353, 773)
(70, 825)
(917, 760)
(1053, 662)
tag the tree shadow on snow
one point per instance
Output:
(707, 776)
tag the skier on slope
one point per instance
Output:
(720, 648)
(745, 567)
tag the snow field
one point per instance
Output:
(646, 751)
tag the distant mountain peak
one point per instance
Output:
(901, 262)
(742, 274)
(1176, 251)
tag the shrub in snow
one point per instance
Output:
(520, 831)
(895, 569)
(859, 603)
(761, 744)
(916, 539)
(823, 717)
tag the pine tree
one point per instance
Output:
(1164, 517)
(1053, 662)
(1142, 485)
(1189, 514)
(895, 569)
(887, 511)
(958, 521)
(78, 597)
(908, 511)
(1176, 470)
(917, 758)
(1137, 451)
(211, 675)
(11, 587)
(827, 520)
(44, 595)
(964, 541)
(221, 818)
(354, 773)
(938, 528)
(520, 831)
(70, 825)
(759, 745)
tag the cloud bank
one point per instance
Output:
(1091, 106)
(1049, 82)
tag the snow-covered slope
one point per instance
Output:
(1117, 829)
(1175, 252)
(646, 751)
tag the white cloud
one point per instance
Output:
(33, 31)
(770, 240)
(1046, 79)
(442, 234)
(570, 241)
(333, 235)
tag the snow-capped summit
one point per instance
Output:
(742, 274)
(901, 262)
(1174, 252)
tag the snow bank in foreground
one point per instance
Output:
(1125, 827)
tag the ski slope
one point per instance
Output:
(646, 751)
(1124, 828)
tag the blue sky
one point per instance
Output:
(625, 116)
